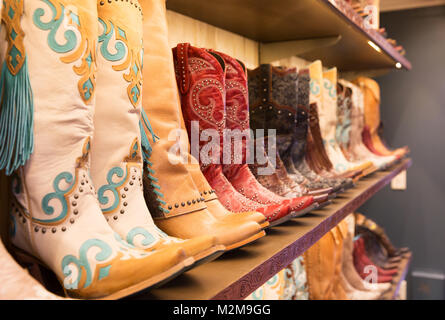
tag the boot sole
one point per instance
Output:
(264, 225)
(207, 255)
(244, 242)
(153, 282)
(292, 215)
(324, 204)
(297, 214)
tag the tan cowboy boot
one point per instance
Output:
(56, 221)
(179, 209)
(371, 92)
(116, 165)
(356, 288)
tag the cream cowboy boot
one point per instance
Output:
(55, 219)
(381, 162)
(174, 201)
(323, 92)
(116, 164)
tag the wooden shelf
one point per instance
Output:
(397, 282)
(289, 20)
(237, 274)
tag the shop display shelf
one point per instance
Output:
(285, 21)
(238, 273)
(397, 282)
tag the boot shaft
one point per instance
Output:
(201, 81)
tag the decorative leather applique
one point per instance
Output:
(128, 51)
(11, 17)
(65, 13)
(118, 179)
(67, 196)
(83, 277)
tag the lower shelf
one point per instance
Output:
(237, 274)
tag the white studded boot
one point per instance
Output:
(56, 220)
(116, 165)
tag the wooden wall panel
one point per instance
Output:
(200, 34)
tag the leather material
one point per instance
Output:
(245, 183)
(371, 92)
(214, 205)
(187, 217)
(375, 251)
(316, 156)
(324, 89)
(236, 202)
(357, 123)
(237, 111)
(363, 263)
(348, 268)
(380, 232)
(300, 145)
(117, 139)
(204, 81)
(323, 264)
(17, 284)
(55, 216)
(273, 97)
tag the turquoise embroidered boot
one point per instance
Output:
(56, 220)
(116, 164)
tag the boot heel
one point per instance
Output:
(39, 271)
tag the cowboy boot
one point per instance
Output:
(320, 261)
(355, 287)
(237, 119)
(202, 92)
(317, 157)
(394, 252)
(56, 219)
(348, 268)
(338, 290)
(351, 292)
(300, 145)
(344, 127)
(210, 198)
(375, 250)
(328, 121)
(116, 166)
(171, 194)
(371, 92)
(287, 188)
(356, 143)
(17, 284)
(362, 262)
(273, 96)
(323, 92)
(296, 277)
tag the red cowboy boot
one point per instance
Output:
(201, 77)
(237, 118)
(362, 260)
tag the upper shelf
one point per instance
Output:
(288, 20)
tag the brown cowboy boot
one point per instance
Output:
(174, 201)
(371, 92)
